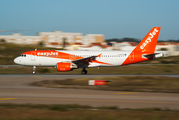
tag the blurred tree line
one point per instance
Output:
(123, 40)
(135, 40)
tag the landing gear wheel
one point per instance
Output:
(34, 67)
(84, 72)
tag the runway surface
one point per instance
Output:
(14, 88)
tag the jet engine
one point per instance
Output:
(65, 66)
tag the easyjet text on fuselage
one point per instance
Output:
(47, 53)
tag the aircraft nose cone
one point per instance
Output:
(16, 60)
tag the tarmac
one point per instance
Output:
(15, 88)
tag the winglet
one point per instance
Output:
(99, 55)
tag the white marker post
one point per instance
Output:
(99, 82)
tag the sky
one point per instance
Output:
(113, 18)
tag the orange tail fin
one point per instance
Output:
(146, 46)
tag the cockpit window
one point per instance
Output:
(23, 55)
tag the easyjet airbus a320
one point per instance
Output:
(69, 60)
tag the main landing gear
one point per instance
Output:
(34, 67)
(84, 71)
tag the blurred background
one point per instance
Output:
(88, 25)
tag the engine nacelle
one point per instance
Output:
(65, 66)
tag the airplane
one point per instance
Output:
(69, 60)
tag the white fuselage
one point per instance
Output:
(107, 58)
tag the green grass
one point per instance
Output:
(55, 107)
(119, 83)
(79, 112)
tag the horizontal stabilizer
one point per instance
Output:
(155, 55)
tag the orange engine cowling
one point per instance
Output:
(65, 66)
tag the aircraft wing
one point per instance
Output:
(86, 60)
